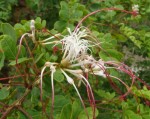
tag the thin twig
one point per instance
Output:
(24, 112)
(31, 56)
(11, 77)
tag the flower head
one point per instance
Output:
(135, 8)
(74, 45)
(32, 26)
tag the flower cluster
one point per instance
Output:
(77, 62)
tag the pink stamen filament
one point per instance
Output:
(20, 43)
(90, 95)
(41, 82)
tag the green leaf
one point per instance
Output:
(103, 56)
(76, 109)
(38, 20)
(146, 116)
(119, 6)
(60, 25)
(131, 115)
(135, 41)
(90, 114)
(35, 94)
(77, 15)
(39, 57)
(106, 95)
(9, 47)
(120, 38)
(114, 54)
(4, 93)
(36, 114)
(20, 60)
(71, 26)
(39, 24)
(145, 93)
(53, 58)
(64, 5)
(22, 51)
(2, 58)
(110, 14)
(106, 45)
(7, 29)
(20, 116)
(64, 14)
(12, 117)
(58, 76)
(60, 102)
(44, 23)
(66, 112)
(20, 29)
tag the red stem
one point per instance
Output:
(105, 9)
(11, 77)
(90, 96)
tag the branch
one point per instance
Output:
(24, 112)
(19, 101)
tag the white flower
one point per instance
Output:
(74, 45)
(52, 69)
(99, 68)
(135, 8)
(32, 27)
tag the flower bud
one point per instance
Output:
(135, 9)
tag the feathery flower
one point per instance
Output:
(74, 45)
(75, 48)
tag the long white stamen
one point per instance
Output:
(41, 80)
(76, 74)
(77, 71)
(52, 82)
(70, 80)
(50, 38)
(99, 73)
(80, 97)
(53, 42)
(52, 69)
